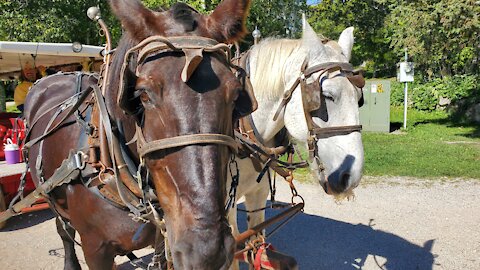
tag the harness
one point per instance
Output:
(114, 178)
(251, 140)
(254, 148)
(316, 132)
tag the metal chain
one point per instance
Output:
(293, 189)
(235, 176)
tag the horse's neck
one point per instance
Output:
(263, 120)
(269, 82)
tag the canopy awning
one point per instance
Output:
(13, 55)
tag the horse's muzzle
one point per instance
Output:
(204, 249)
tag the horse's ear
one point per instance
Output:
(134, 16)
(346, 42)
(310, 40)
(227, 22)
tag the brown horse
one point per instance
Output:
(189, 180)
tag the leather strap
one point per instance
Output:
(323, 68)
(326, 132)
(72, 110)
(247, 127)
(126, 195)
(145, 147)
(67, 172)
(160, 43)
(264, 155)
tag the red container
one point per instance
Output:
(10, 186)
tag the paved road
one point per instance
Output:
(394, 223)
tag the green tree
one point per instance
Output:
(278, 18)
(200, 5)
(331, 17)
(66, 20)
(441, 35)
(51, 21)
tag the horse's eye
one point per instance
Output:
(329, 97)
(142, 94)
(144, 97)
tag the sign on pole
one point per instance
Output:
(405, 74)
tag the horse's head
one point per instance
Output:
(178, 84)
(332, 96)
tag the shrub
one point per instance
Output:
(461, 90)
(425, 97)
(396, 94)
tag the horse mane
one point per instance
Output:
(332, 44)
(126, 42)
(270, 58)
(268, 61)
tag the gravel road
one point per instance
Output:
(393, 223)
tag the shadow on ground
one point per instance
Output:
(322, 243)
(27, 220)
(319, 243)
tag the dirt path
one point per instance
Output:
(394, 223)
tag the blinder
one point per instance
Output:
(358, 80)
(312, 96)
(246, 102)
(193, 48)
(313, 91)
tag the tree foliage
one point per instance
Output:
(331, 17)
(278, 18)
(441, 35)
(66, 20)
(50, 21)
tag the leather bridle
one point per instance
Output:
(316, 132)
(193, 48)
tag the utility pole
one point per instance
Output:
(405, 75)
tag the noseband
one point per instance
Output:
(193, 48)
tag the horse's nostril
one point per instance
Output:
(344, 180)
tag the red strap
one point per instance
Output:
(258, 263)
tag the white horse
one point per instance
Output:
(274, 66)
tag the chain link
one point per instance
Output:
(235, 176)
(293, 189)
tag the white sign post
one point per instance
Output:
(405, 75)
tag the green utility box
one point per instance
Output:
(375, 112)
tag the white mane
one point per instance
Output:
(268, 71)
(273, 63)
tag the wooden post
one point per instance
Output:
(3, 97)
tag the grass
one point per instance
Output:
(430, 147)
(13, 108)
